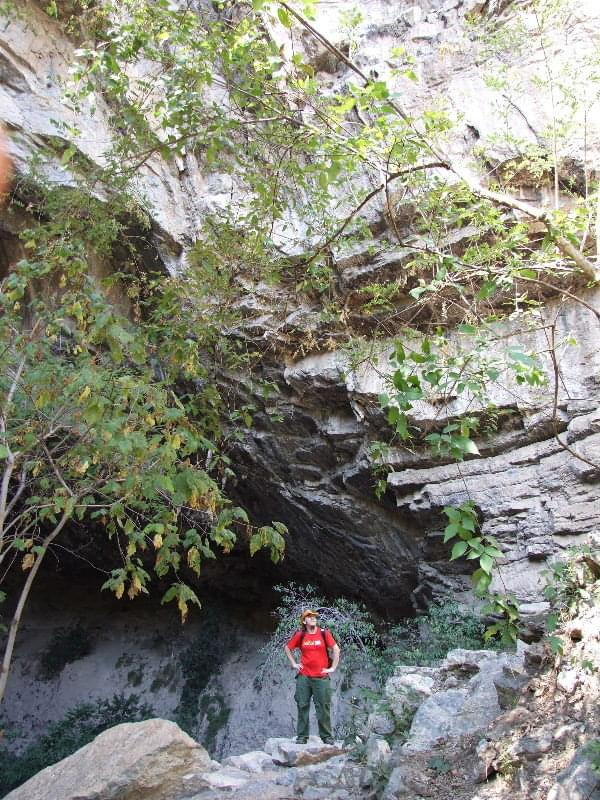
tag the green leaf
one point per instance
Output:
(68, 155)
(380, 90)
(284, 17)
(458, 550)
(486, 562)
(451, 531)
(557, 645)
(481, 582)
(467, 523)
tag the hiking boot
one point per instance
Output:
(327, 741)
(299, 740)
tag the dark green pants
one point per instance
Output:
(320, 691)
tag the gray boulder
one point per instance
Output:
(153, 759)
(577, 782)
(467, 700)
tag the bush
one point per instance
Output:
(77, 728)
(421, 641)
(427, 639)
(574, 581)
(350, 623)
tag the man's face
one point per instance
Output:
(310, 621)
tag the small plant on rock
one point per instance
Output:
(427, 639)
(571, 584)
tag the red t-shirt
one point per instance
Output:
(314, 651)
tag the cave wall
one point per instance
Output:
(310, 467)
(532, 491)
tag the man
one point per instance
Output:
(313, 670)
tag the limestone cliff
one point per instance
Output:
(307, 460)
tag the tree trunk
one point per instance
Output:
(16, 620)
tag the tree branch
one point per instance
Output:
(394, 176)
(16, 620)
(498, 198)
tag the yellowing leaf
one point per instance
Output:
(28, 561)
(85, 394)
(193, 559)
(157, 541)
(183, 608)
(119, 591)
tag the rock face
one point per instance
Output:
(467, 697)
(308, 461)
(149, 759)
(312, 465)
(532, 491)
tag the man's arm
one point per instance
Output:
(335, 659)
(291, 658)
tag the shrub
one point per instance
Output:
(427, 639)
(350, 623)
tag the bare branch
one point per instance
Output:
(16, 619)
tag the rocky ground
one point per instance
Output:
(486, 726)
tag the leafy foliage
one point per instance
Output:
(99, 422)
(473, 545)
(593, 753)
(367, 642)
(77, 728)
(427, 639)
(571, 584)
(119, 424)
(350, 623)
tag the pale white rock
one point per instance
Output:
(287, 753)
(567, 680)
(397, 788)
(381, 723)
(227, 778)
(472, 702)
(412, 15)
(426, 31)
(405, 692)
(378, 752)
(254, 761)
(151, 759)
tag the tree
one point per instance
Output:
(104, 419)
